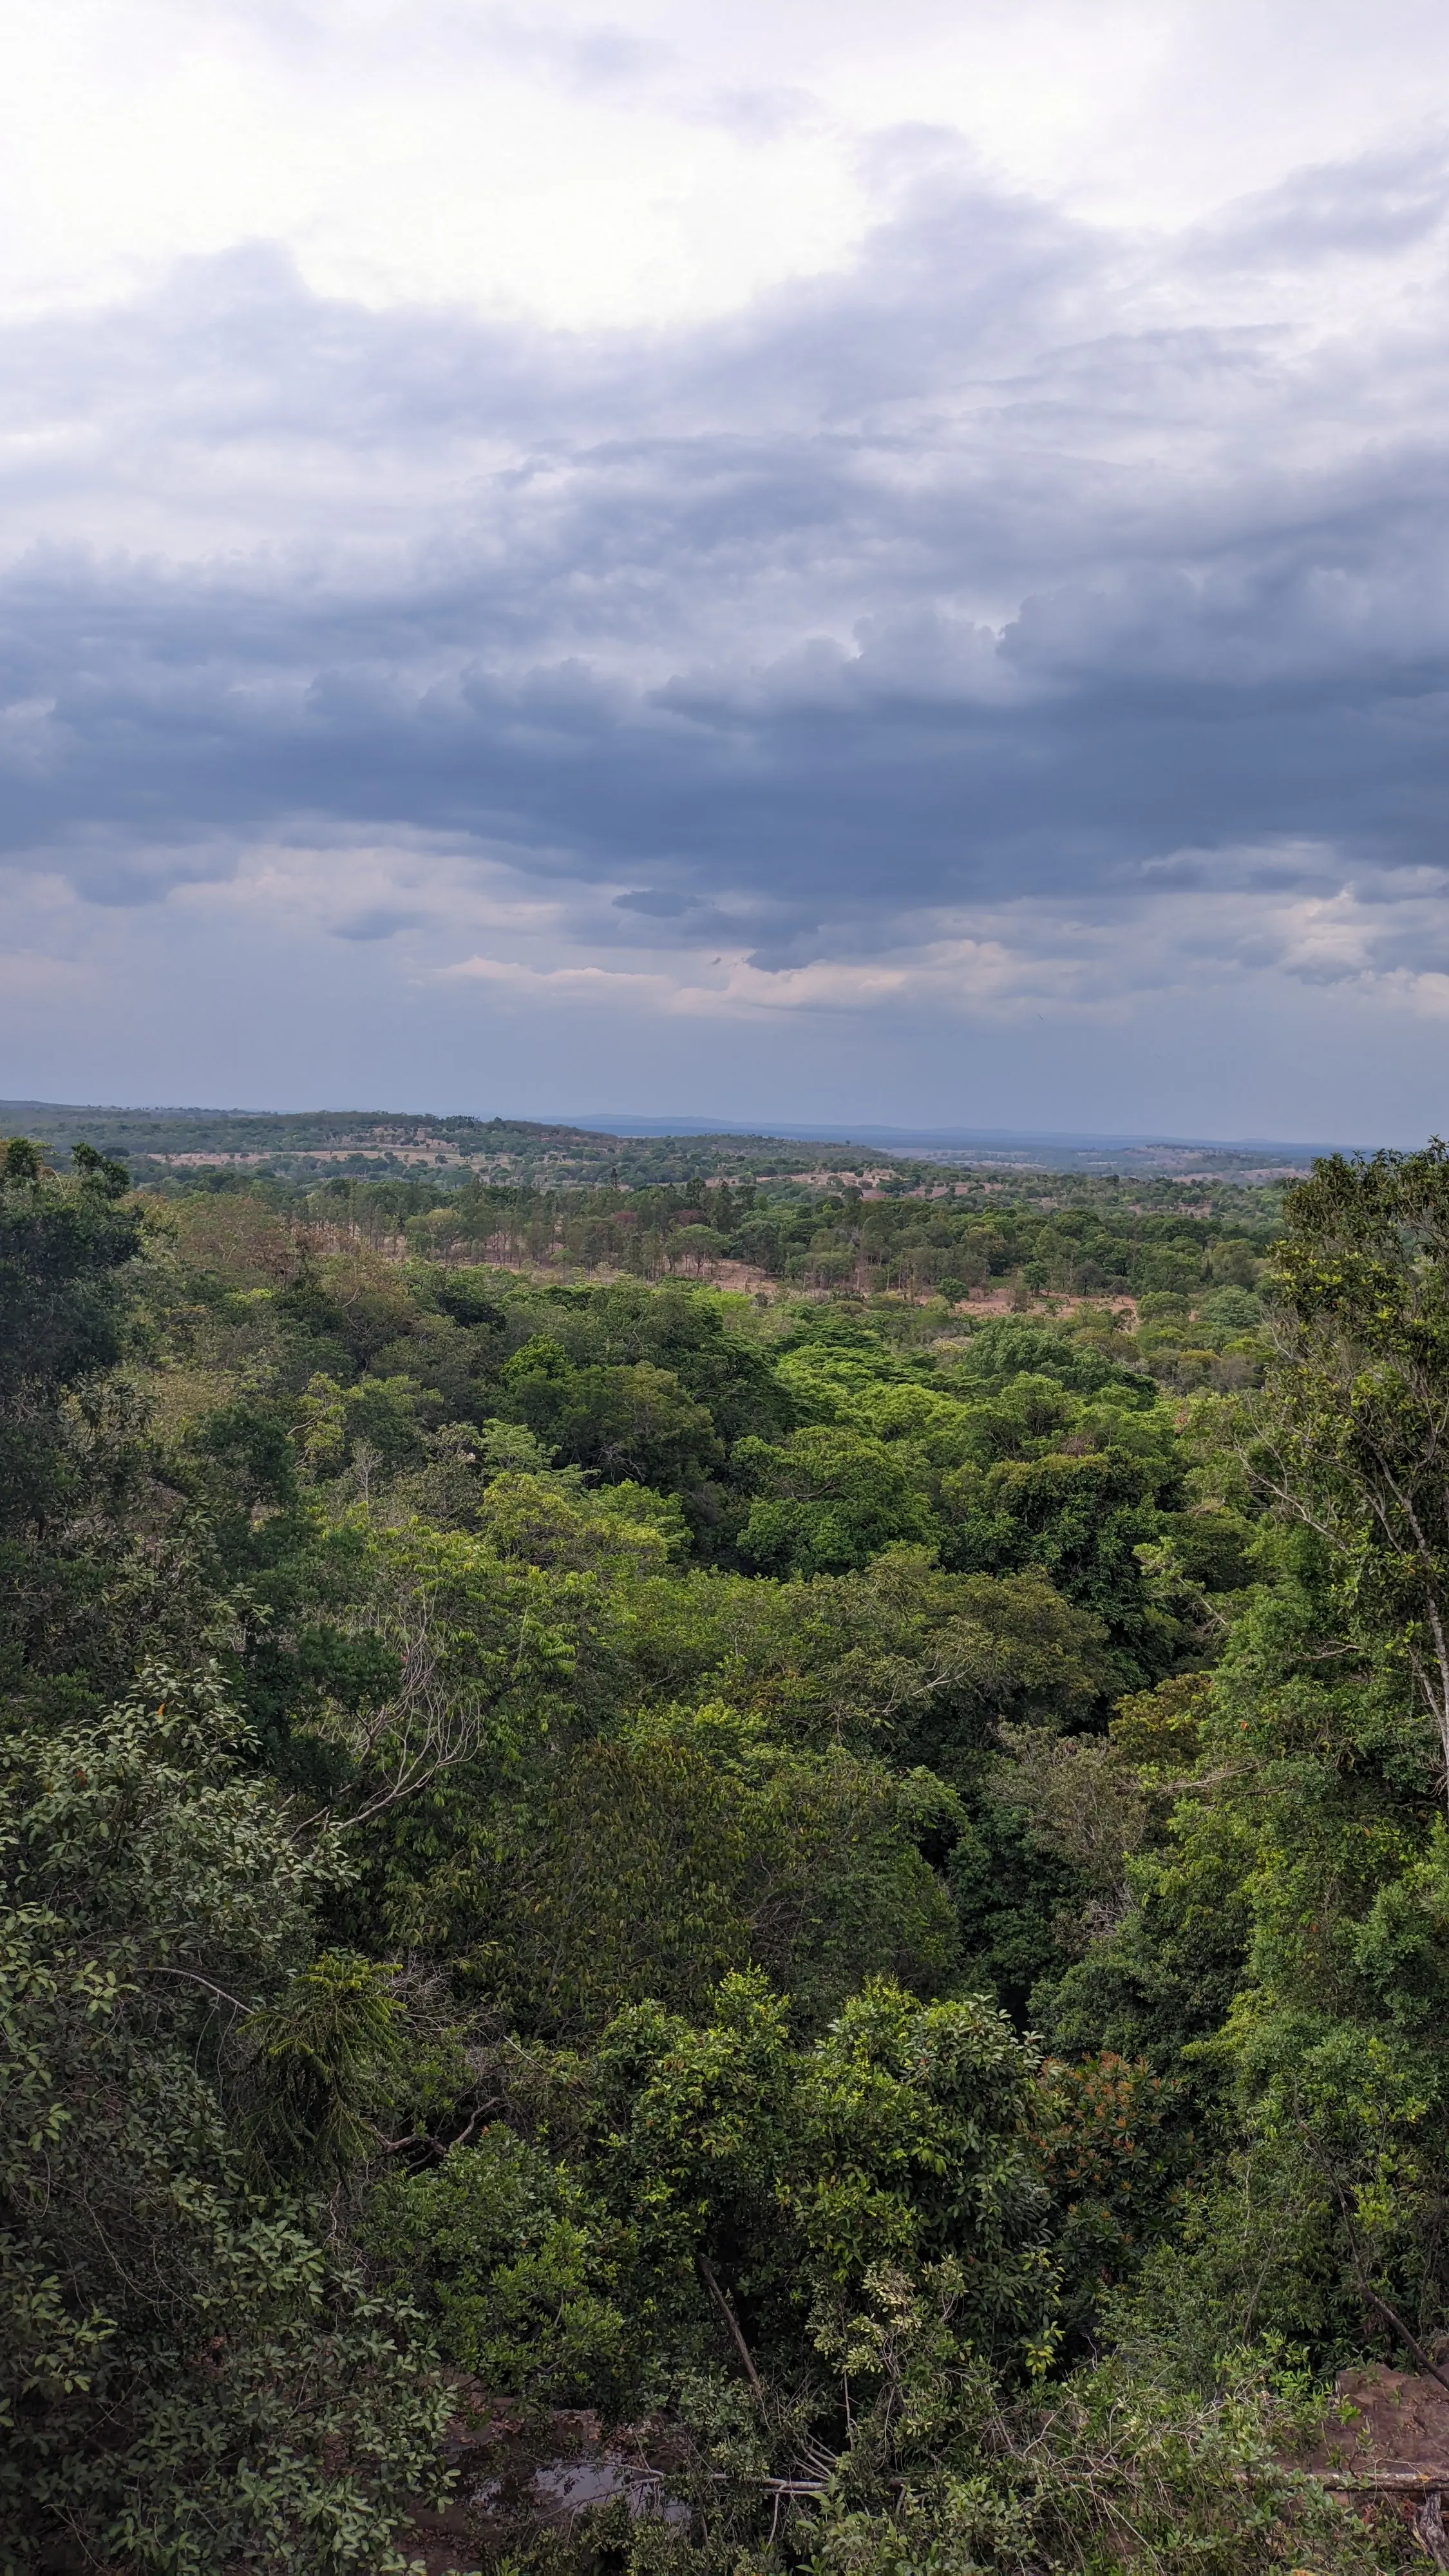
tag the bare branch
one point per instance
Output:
(706, 2274)
(1393, 2318)
(194, 1977)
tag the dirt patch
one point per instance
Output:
(1386, 2450)
(1046, 1307)
(516, 2475)
(1394, 2428)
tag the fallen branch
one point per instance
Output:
(193, 1977)
(1381, 2481)
(706, 2274)
(1402, 2331)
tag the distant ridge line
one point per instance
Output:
(853, 1132)
(625, 1124)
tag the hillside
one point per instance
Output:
(302, 1145)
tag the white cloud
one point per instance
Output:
(654, 160)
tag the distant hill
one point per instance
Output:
(319, 1144)
(322, 1144)
(1017, 1149)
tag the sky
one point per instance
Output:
(884, 561)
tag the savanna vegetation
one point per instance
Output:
(1177, 1245)
(854, 1882)
(301, 1147)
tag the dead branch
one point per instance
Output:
(706, 2274)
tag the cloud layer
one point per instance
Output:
(1021, 620)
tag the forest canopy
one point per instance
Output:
(797, 1838)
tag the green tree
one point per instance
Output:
(651, 1861)
(829, 1498)
(1355, 1427)
(65, 1249)
(739, 2192)
(1081, 1516)
(191, 2367)
(89, 1556)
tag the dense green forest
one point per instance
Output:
(834, 1886)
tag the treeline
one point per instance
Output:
(858, 1892)
(847, 1240)
(1180, 1269)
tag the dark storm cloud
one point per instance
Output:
(1002, 565)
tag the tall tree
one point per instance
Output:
(1354, 1437)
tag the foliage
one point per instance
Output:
(190, 2366)
(1355, 1445)
(651, 1862)
(729, 2181)
(639, 1761)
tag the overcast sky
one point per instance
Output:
(880, 559)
